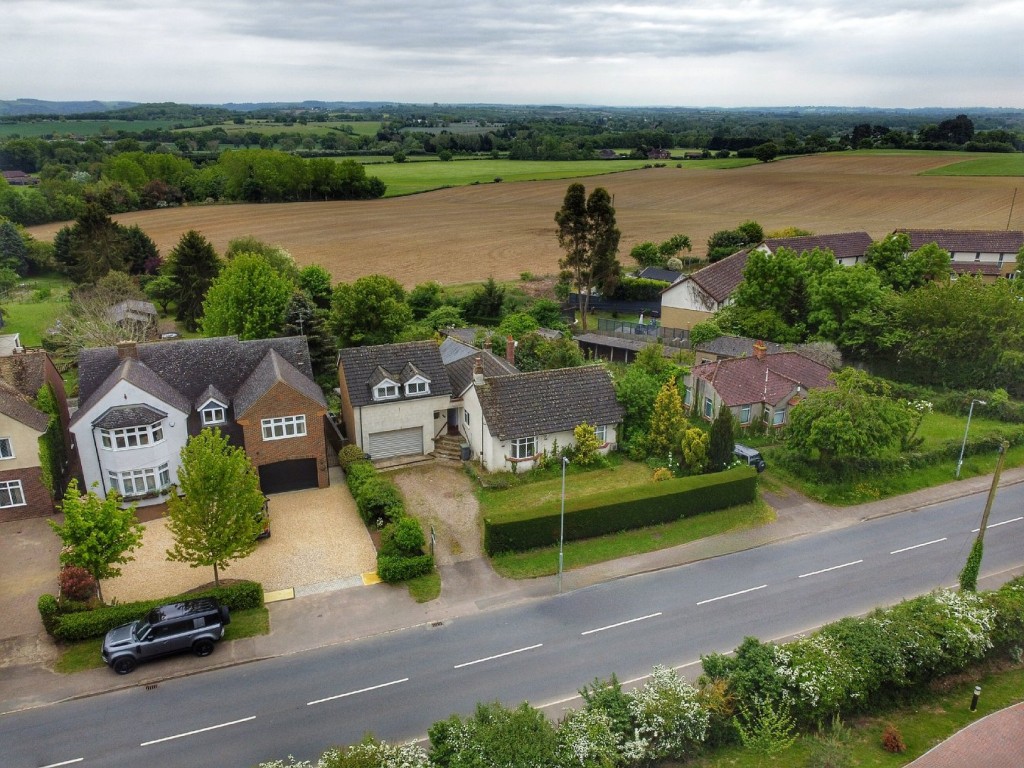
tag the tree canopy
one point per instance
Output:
(372, 310)
(247, 299)
(193, 266)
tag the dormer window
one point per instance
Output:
(213, 412)
(417, 386)
(386, 390)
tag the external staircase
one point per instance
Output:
(448, 447)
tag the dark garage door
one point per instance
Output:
(292, 475)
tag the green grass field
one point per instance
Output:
(30, 313)
(411, 177)
(984, 165)
(80, 127)
(364, 128)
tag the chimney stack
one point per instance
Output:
(488, 344)
(760, 348)
(510, 350)
(126, 349)
(478, 372)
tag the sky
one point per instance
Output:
(729, 53)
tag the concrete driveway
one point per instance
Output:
(28, 568)
(318, 542)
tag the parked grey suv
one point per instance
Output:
(192, 625)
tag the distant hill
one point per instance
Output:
(21, 107)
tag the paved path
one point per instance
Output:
(328, 618)
(994, 741)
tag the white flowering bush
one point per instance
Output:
(371, 753)
(669, 720)
(819, 675)
(586, 739)
(873, 654)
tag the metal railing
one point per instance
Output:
(677, 337)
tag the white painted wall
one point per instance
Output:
(24, 443)
(398, 414)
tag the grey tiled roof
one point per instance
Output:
(178, 372)
(128, 416)
(845, 245)
(460, 372)
(360, 363)
(18, 407)
(967, 240)
(659, 273)
(208, 394)
(544, 402)
(274, 369)
(736, 346)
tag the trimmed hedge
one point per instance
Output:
(83, 625)
(379, 502)
(392, 568)
(358, 473)
(634, 506)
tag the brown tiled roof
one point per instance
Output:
(15, 405)
(720, 279)
(967, 240)
(975, 268)
(845, 245)
(544, 402)
(360, 363)
(25, 371)
(745, 380)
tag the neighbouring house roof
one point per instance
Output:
(460, 360)
(845, 245)
(720, 279)
(25, 371)
(9, 342)
(131, 309)
(129, 416)
(545, 402)
(360, 364)
(181, 372)
(17, 406)
(986, 269)
(468, 335)
(745, 380)
(736, 346)
(659, 273)
(967, 240)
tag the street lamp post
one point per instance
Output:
(561, 526)
(963, 445)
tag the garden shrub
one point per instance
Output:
(892, 740)
(752, 672)
(586, 738)
(371, 753)
(393, 568)
(379, 502)
(1007, 604)
(402, 538)
(608, 698)
(872, 649)
(669, 720)
(49, 611)
(76, 583)
(358, 473)
(819, 675)
(349, 455)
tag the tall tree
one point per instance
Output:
(193, 266)
(902, 269)
(91, 247)
(372, 310)
(97, 534)
(13, 250)
(316, 281)
(667, 421)
(304, 318)
(247, 299)
(723, 440)
(588, 235)
(218, 517)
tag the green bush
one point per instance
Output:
(639, 289)
(358, 473)
(83, 625)
(392, 568)
(379, 502)
(619, 510)
(1008, 624)
(49, 611)
(349, 455)
(402, 538)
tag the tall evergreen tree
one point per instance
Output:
(667, 421)
(193, 266)
(13, 250)
(723, 440)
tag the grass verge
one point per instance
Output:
(931, 718)
(76, 657)
(425, 588)
(544, 560)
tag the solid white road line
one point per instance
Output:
(1005, 522)
(621, 623)
(497, 656)
(353, 693)
(826, 570)
(916, 546)
(198, 730)
(731, 594)
(66, 762)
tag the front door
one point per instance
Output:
(453, 421)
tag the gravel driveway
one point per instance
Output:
(317, 539)
(441, 495)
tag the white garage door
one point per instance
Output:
(398, 442)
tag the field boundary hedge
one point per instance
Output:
(634, 506)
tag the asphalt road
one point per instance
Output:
(396, 685)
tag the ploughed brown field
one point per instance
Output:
(501, 230)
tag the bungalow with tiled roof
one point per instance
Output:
(988, 253)
(761, 387)
(513, 419)
(696, 297)
(141, 402)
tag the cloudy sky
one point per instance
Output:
(898, 53)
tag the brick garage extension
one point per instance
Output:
(38, 502)
(282, 400)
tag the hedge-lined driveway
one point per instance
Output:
(28, 568)
(317, 538)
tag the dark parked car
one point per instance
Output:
(192, 625)
(750, 456)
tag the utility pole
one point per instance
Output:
(992, 490)
(971, 569)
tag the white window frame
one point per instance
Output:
(709, 407)
(601, 433)
(386, 390)
(417, 387)
(138, 482)
(284, 427)
(129, 438)
(465, 417)
(12, 494)
(688, 396)
(6, 448)
(524, 448)
(214, 413)
(779, 417)
(746, 412)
